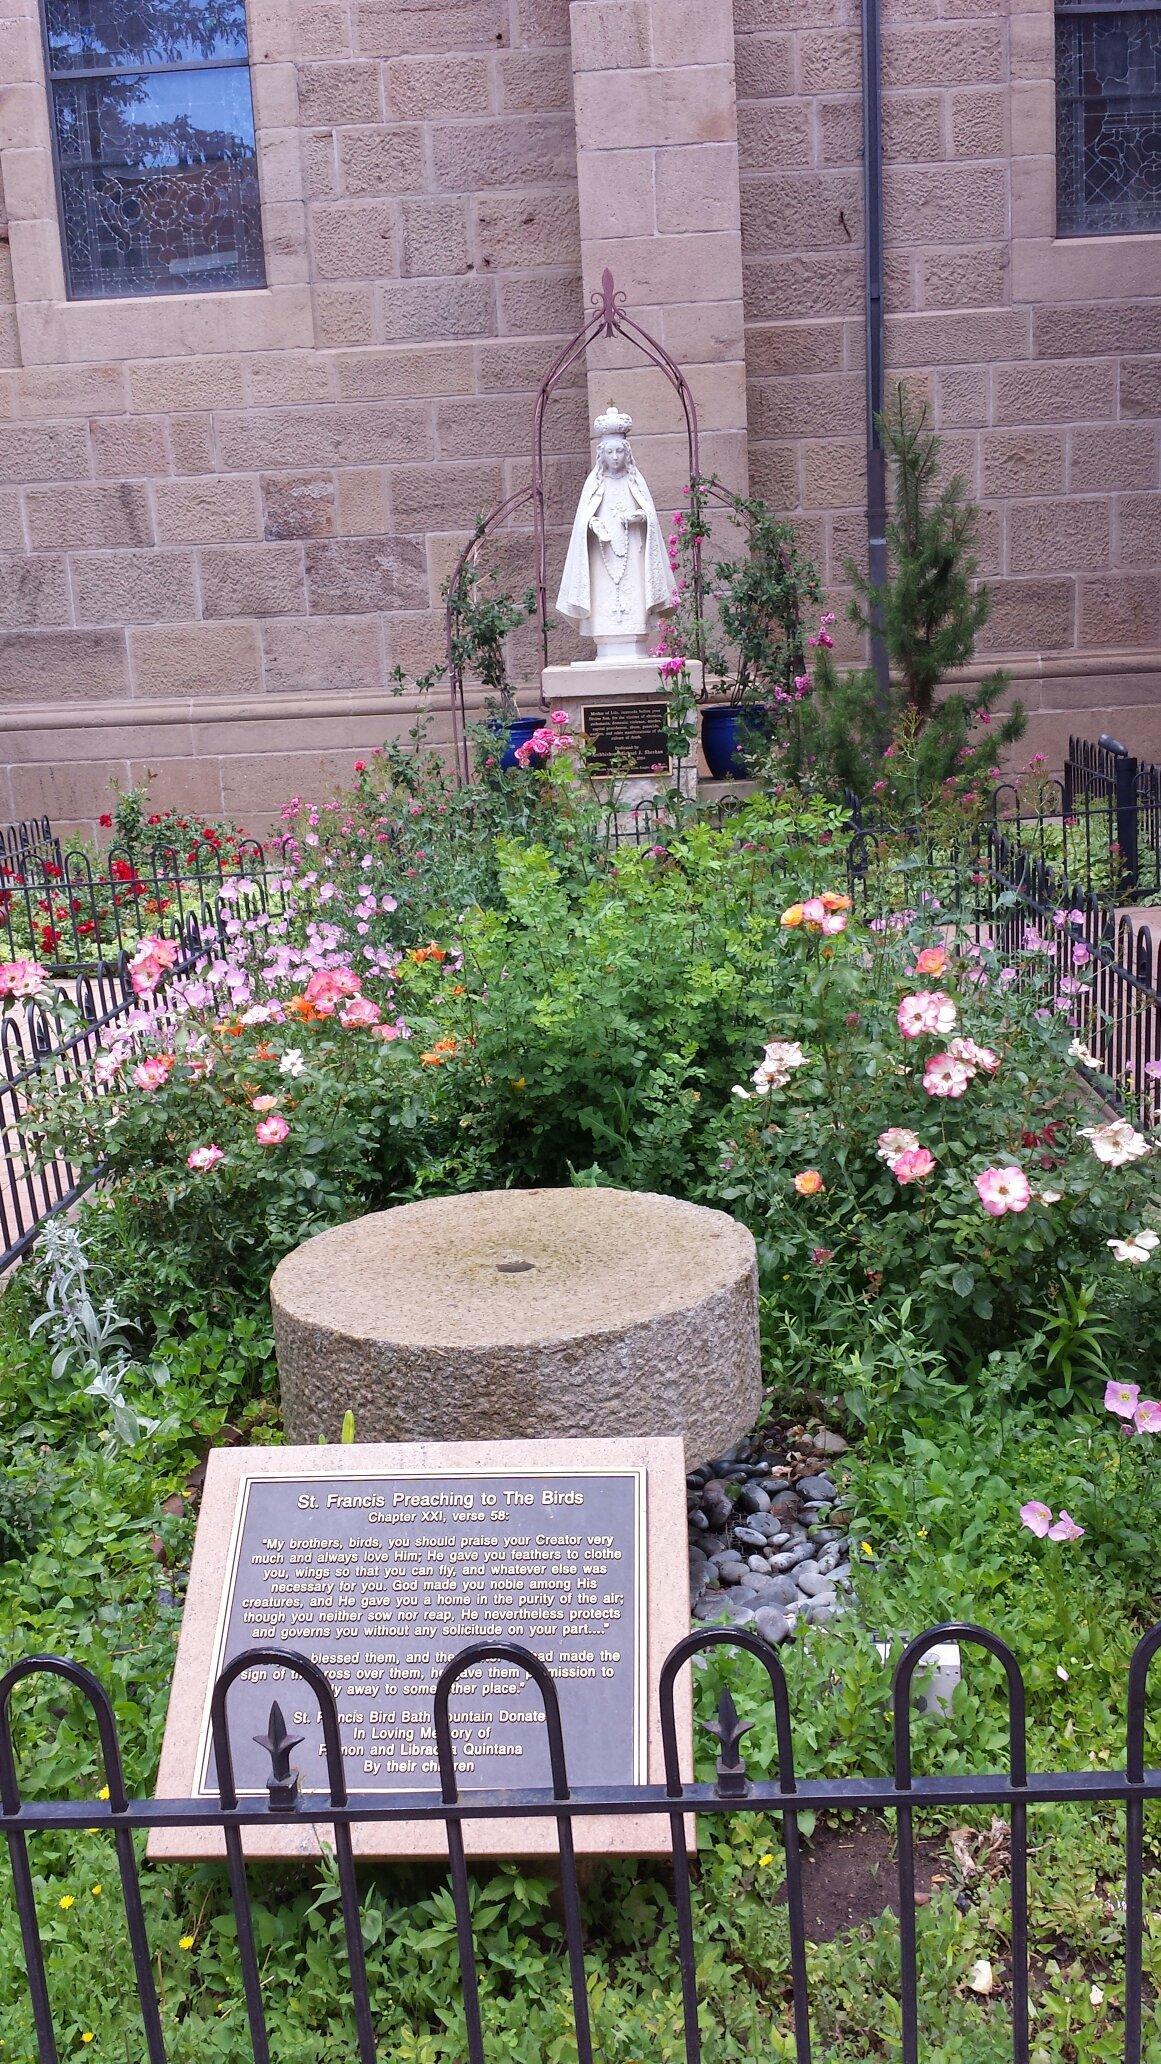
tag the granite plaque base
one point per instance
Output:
(382, 1563)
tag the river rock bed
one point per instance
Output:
(768, 1546)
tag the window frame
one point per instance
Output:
(54, 77)
(1046, 267)
(1079, 12)
(54, 330)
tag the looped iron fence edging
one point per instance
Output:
(1015, 1792)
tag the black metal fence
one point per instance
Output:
(77, 914)
(1014, 1792)
(999, 888)
(39, 1046)
(99, 913)
(1109, 961)
(1099, 824)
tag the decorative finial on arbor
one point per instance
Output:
(608, 302)
(728, 1730)
(282, 1784)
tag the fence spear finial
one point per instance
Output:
(728, 1730)
(282, 1784)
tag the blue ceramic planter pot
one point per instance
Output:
(728, 737)
(517, 732)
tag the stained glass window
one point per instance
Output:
(1108, 118)
(155, 159)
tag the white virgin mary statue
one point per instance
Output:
(617, 579)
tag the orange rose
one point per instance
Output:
(302, 1008)
(792, 917)
(436, 1055)
(808, 1182)
(931, 961)
(831, 901)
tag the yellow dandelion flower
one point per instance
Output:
(104, 1792)
(866, 1547)
(764, 1862)
(96, 1890)
(87, 2036)
(186, 1942)
(67, 1901)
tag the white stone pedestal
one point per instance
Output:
(634, 697)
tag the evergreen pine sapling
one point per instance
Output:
(925, 741)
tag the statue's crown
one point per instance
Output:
(614, 423)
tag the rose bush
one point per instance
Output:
(584, 1025)
(942, 1129)
(893, 1111)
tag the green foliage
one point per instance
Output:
(578, 1019)
(920, 1245)
(926, 738)
(483, 616)
(553, 1012)
(757, 601)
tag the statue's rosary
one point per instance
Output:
(615, 548)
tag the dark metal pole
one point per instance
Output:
(873, 269)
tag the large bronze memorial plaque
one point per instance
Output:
(382, 1563)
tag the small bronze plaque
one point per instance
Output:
(627, 737)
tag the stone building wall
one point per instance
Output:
(225, 518)
(223, 522)
(1040, 360)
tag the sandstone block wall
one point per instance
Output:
(1040, 360)
(210, 558)
(224, 519)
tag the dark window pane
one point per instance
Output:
(159, 184)
(1108, 121)
(99, 35)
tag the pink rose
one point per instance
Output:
(359, 1011)
(973, 1056)
(945, 1076)
(1147, 1417)
(202, 1159)
(21, 977)
(896, 1140)
(1001, 1190)
(329, 986)
(263, 1103)
(913, 1165)
(270, 1132)
(151, 960)
(928, 1010)
(152, 1073)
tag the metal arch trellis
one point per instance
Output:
(609, 318)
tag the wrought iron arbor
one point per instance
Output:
(609, 318)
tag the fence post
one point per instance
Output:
(1125, 800)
